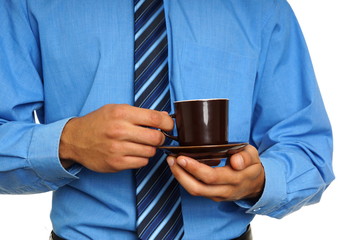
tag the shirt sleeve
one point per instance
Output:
(290, 126)
(29, 160)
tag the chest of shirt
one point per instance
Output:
(87, 50)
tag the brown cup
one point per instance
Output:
(201, 122)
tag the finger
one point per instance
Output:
(132, 149)
(195, 187)
(116, 164)
(132, 162)
(151, 118)
(240, 161)
(145, 135)
(245, 158)
(253, 184)
(207, 174)
(139, 116)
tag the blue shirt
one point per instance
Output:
(64, 59)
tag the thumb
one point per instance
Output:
(237, 162)
(247, 157)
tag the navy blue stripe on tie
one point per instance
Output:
(148, 90)
(142, 172)
(145, 12)
(146, 72)
(157, 192)
(155, 28)
(165, 205)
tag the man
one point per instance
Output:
(73, 63)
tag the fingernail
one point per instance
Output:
(182, 162)
(170, 161)
(240, 161)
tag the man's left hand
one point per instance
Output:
(242, 178)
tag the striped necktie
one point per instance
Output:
(157, 192)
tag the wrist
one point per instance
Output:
(259, 187)
(66, 153)
(66, 163)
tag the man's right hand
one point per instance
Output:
(113, 138)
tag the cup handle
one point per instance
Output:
(169, 135)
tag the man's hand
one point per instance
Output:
(242, 178)
(113, 138)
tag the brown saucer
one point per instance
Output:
(207, 154)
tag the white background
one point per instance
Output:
(331, 29)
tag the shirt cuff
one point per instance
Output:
(274, 194)
(44, 155)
